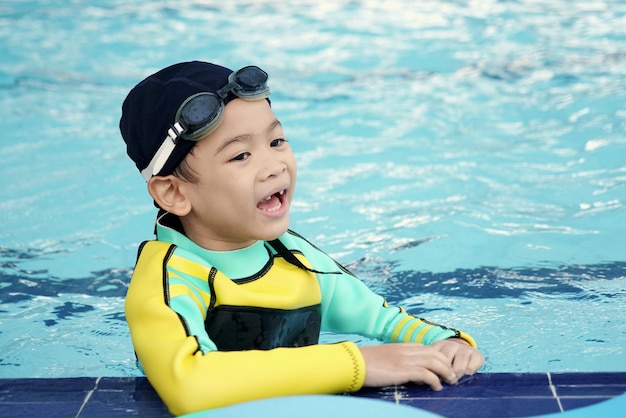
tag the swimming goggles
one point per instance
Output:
(201, 113)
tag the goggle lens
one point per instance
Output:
(199, 114)
(251, 78)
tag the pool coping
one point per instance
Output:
(485, 394)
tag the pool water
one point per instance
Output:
(466, 159)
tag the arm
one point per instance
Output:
(189, 380)
(433, 354)
(351, 307)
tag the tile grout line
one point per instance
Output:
(396, 396)
(553, 389)
(95, 387)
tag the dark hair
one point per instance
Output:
(184, 171)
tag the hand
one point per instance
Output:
(465, 360)
(395, 364)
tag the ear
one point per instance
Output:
(168, 193)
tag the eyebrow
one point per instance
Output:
(273, 125)
(228, 142)
(245, 137)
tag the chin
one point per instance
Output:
(276, 231)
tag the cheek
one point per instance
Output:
(291, 162)
(230, 190)
(294, 175)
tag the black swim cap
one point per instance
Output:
(150, 109)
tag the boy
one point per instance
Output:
(227, 304)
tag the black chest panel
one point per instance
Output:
(234, 328)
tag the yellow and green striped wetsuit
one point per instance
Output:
(211, 329)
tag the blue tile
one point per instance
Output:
(121, 383)
(45, 390)
(589, 379)
(38, 410)
(119, 397)
(488, 385)
(589, 391)
(589, 384)
(111, 409)
(114, 400)
(485, 408)
(485, 395)
(139, 389)
(35, 385)
(574, 403)
(37, 397)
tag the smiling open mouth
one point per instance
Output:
(273, 202)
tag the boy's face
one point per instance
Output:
(247, 177)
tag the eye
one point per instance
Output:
(241, 157)
(278, 142)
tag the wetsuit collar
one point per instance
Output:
(228, 262)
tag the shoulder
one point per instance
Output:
(318, 258)
(295, 240)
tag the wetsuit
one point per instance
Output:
(211, 329)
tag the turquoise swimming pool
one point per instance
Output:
(465, 158)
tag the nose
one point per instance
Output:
(273, 165)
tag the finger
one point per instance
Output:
(426, 377)
(461, 362)
(447, 348)
(467, 362)
(437, 363)
(452, 355)
(476, 361)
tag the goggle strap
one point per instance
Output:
(235, 88)
(163, 153)
(223, 92)
(176, 131)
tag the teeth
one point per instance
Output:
(282, 192)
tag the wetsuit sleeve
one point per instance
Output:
(349, 306)
(189, 380)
